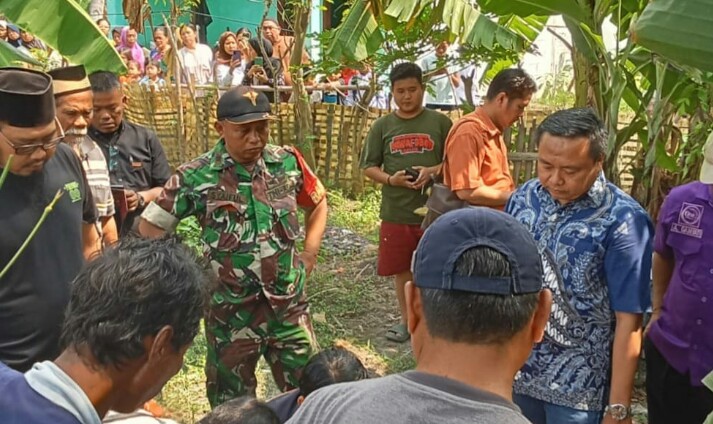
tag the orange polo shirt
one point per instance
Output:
(476, 155)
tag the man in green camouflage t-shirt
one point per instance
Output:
(245, 195)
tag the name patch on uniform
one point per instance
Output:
(689, 220)
(279, 187)
(222, 195)
(72, 189)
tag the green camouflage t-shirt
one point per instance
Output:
(394, 144)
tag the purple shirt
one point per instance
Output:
(684, 332)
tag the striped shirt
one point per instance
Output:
(97, 176)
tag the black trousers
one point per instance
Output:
(670, 396)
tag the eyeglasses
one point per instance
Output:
(28, 149)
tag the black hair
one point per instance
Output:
(132, 291)
(266, 44)
(188, 25)
(404, 71)
(514, 82)
(576, 123)
(104, 82)
(244, 30)
(100, 20)
(464, 317)
(162, 29)
(116, 30)
(331, 366)
(273, 20)
(243, 410)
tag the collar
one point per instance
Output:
(488, 124)
(594, 197)
(52, 383)
(220, 158)
(99, 136)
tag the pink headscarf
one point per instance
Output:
(137, 53)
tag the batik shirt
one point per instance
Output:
(602, 245)
(248, 219)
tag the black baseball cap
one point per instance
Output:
(457, 231)
(241, 105)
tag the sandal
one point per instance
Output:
(398, 333)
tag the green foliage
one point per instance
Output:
(190, 232)
(555, 89)
(67, 28)
(10, 56)
(369, 25)
(678, 30)
(360, 215)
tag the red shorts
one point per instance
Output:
(397, 242)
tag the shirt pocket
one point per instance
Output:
(687, 252)
(287, 225)
(227, 223)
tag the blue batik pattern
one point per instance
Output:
(572, 366)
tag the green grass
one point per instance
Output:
(360, 215)
(350, 307)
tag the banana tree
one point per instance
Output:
(678, 30)
(68, 29)
(365, 24)
(10, 56)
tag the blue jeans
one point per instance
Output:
(541, 412)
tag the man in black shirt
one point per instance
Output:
(34, 291)
(135, 158)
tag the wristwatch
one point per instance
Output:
(618, 411)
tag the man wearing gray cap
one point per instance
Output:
(35, 289)
(475, 309)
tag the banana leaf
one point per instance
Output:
(360, 33)
(64, 26)
(679, 30)
(10, 56)
(568, 8)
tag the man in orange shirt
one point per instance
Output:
(476, 165)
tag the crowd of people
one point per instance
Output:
(522, 303)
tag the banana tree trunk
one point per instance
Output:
(304, 132)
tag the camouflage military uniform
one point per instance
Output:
(249, 226)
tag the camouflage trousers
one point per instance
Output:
(253, 330)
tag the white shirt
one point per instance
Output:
(197, 64)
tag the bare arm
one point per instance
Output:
(90, 241)
(662, 272)
(484, 196)
(625, 358)
(109, 231)
(151, 194)
(315, 224)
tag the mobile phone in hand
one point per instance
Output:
(237, 56)
(412, 173)
(258, 61)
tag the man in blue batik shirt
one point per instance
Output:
(583, 371)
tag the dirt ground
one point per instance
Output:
(351, 307)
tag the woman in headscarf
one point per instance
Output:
(129, 42)
(229, 61)
(263, 69)
(30, 42)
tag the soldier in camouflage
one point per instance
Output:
(245, 193)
